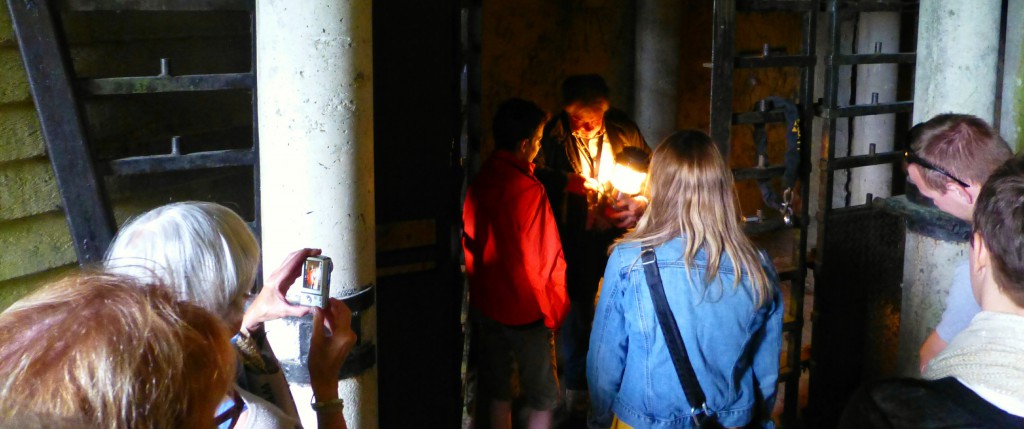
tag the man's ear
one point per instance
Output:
(979, 252)
(962, 193)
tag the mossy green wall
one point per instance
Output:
(34, 236)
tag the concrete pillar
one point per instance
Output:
(877, 32)
(927, 269)
(957, 57)
(658, 48)
(315, 68)
(1011, 124)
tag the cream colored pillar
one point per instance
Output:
(315, 70)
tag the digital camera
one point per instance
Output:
(316, 281)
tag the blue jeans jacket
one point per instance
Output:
(733, 345)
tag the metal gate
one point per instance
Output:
(858, 252)
(859, 247)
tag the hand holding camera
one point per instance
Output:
(271, 304)
(329, 344)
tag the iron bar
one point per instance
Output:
(877, 6)
(898, 58)
(723, 48)
(192, 161)
(756, 173)
(776, 61)
(777, 5)
(160, 84)
(257, 222)
(765, 226)
(90, 221)
(159, 5)
(795, 360)
(857, 161)
(756, 117)
(866, 109)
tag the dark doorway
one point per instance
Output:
(416, 127)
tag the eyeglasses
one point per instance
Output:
(230, 411)
(912, 158)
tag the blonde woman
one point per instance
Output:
(722, 293)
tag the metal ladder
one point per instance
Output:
(724, 63)
(58, 95)
(859, 257)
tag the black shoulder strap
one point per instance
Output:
(676, 347)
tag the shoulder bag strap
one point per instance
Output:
(676, 347)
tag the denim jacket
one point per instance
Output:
(733, 345)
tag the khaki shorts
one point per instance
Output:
(533, 348)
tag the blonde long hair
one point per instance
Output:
(692, 196)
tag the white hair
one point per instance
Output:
(204, 251)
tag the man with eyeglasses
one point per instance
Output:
(575, 164)
(949, 159)
(978, 380)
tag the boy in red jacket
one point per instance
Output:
(516, 268)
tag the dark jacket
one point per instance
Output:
(585, 251)
(913, 403)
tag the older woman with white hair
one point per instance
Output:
(208, 255)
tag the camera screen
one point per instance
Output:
(311, 275)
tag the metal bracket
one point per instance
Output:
(364, 355)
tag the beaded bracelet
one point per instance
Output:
(331, 405)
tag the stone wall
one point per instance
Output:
(530, 46)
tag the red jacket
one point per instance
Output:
(513, 252)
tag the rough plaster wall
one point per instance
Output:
(33, 232)
(1018, 106)
(530, 46)
(1012, 116)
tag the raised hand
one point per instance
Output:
(271, 304)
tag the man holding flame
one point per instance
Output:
(576, 164)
